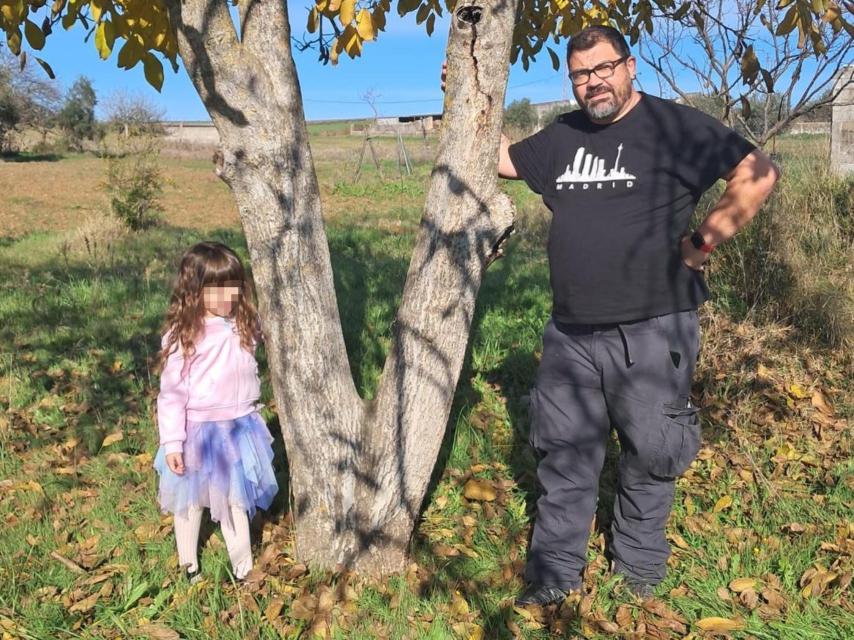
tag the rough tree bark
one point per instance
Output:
(359, 469)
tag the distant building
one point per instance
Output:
(413, 125)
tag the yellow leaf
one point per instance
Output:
(478, 490)
(313, 17)
(153, 70)
(365, 25)
(7, 11)
(144, 459)
(104, 39)
(35, 486)
(13, 39)
(763, 372)
(114, 437)
(788, 452)
(797, 391)
(720, 624)
(96, 8)
(742, 584)
(347, 12)
(723, 503)
(459, 607)
(746, 475)
(34, 35)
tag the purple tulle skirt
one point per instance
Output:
(227, 463)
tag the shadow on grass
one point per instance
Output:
(13, 156)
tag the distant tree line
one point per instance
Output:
(30, 101)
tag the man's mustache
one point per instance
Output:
(592, 93)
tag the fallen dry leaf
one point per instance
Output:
(742, 584)
(479, 490)
(820, 402)
(273, 609)
(114, 437)
(157, 632)
(720, 624)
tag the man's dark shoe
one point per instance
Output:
(639, 589)
(541, 595)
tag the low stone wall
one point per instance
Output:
(201, 134)
(808, 127)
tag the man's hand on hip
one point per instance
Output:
(692, 257)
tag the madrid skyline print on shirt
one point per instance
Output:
(588, 169)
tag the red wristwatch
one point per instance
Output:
(699, 243)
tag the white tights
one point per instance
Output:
(236, 534)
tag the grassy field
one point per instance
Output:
(762, 529)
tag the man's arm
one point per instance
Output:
(748, 186)
(505, 164)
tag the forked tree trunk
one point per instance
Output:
(358, 470)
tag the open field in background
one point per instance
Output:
(762, 530)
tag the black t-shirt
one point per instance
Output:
(622, 196)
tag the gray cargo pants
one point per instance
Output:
(636, 378)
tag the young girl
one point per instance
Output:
(214, 447)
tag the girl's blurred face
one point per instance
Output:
(221, 299)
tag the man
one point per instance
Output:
(622, 177)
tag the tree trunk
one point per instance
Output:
(358, 470)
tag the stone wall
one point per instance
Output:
(842, 126)
(798, 127)
(194, 134)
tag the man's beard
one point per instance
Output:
(604, 109)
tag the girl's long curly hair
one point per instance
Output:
(207, 264)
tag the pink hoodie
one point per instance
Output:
(219, 382)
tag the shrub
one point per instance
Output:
(521, 115)
(134, 183)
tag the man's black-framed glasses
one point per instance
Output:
(604, 70)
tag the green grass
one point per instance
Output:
(78, 332)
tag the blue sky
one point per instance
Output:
(402, 67)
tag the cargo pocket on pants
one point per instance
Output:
(679, 441)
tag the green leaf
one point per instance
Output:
(555, 58)
(130, 54)
(405, 6)
(789, 22)
(47, 68)
(423, 12)
(153, 70)
(682, 11)
(34, 35)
